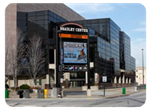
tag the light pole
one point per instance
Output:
(88, 61)
(58, 56)
(61, 64)
(143, 65)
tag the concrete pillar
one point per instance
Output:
(119, 79)
(96, 78)
(88, 92)
(86, 77)
(123, 79)
(54, 92)
(8, 82)
(67, 79)
(51, 78)
(77, 84)
(47, 78)
(129, 80)
(47, 85)
(70, 84)
(114, 82)
(115, 79)
(126, 80)
(74, 83)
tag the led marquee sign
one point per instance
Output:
(71, 29)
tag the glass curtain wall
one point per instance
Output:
(125, 41)
(100, 47)
(22, 22)
(53, 19)
(38, 24)
(132, 65)
(114, 40)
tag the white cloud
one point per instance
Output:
(139, 29)
(90, 7)
(143, 23)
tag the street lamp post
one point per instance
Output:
(58, 50)
(61, 64)
(143, 65)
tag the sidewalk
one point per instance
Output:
(78, 93)
(109, 93)
(13, 95)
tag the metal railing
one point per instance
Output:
(142, 86)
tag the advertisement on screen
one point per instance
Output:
(75, 52)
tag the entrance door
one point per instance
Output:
(77, 79)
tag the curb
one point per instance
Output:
(124, 94)
(116, 96)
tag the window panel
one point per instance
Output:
(31, 28)
(40, 13)
(46, 21)
(54, 15)
(40, 22)
(21, 14)
(31, 14)
(40, 17)
(32, 18)
(21, 24)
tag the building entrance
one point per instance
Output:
(77, 79)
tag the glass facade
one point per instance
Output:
(38, 22)
(125, 50)
(41, 23)
(109, 46)
(104, 46)
(53, 18)
(127, 61)
(132, 65)
(114, 35)
(22, 22)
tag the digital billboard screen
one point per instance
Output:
(75, 52)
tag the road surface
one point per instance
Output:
(133, 100)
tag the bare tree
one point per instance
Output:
(36, 55)
(8, 47)
(14, 52)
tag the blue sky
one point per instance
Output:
(131, 18)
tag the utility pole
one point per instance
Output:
(143, 65)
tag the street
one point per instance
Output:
(133, 100)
